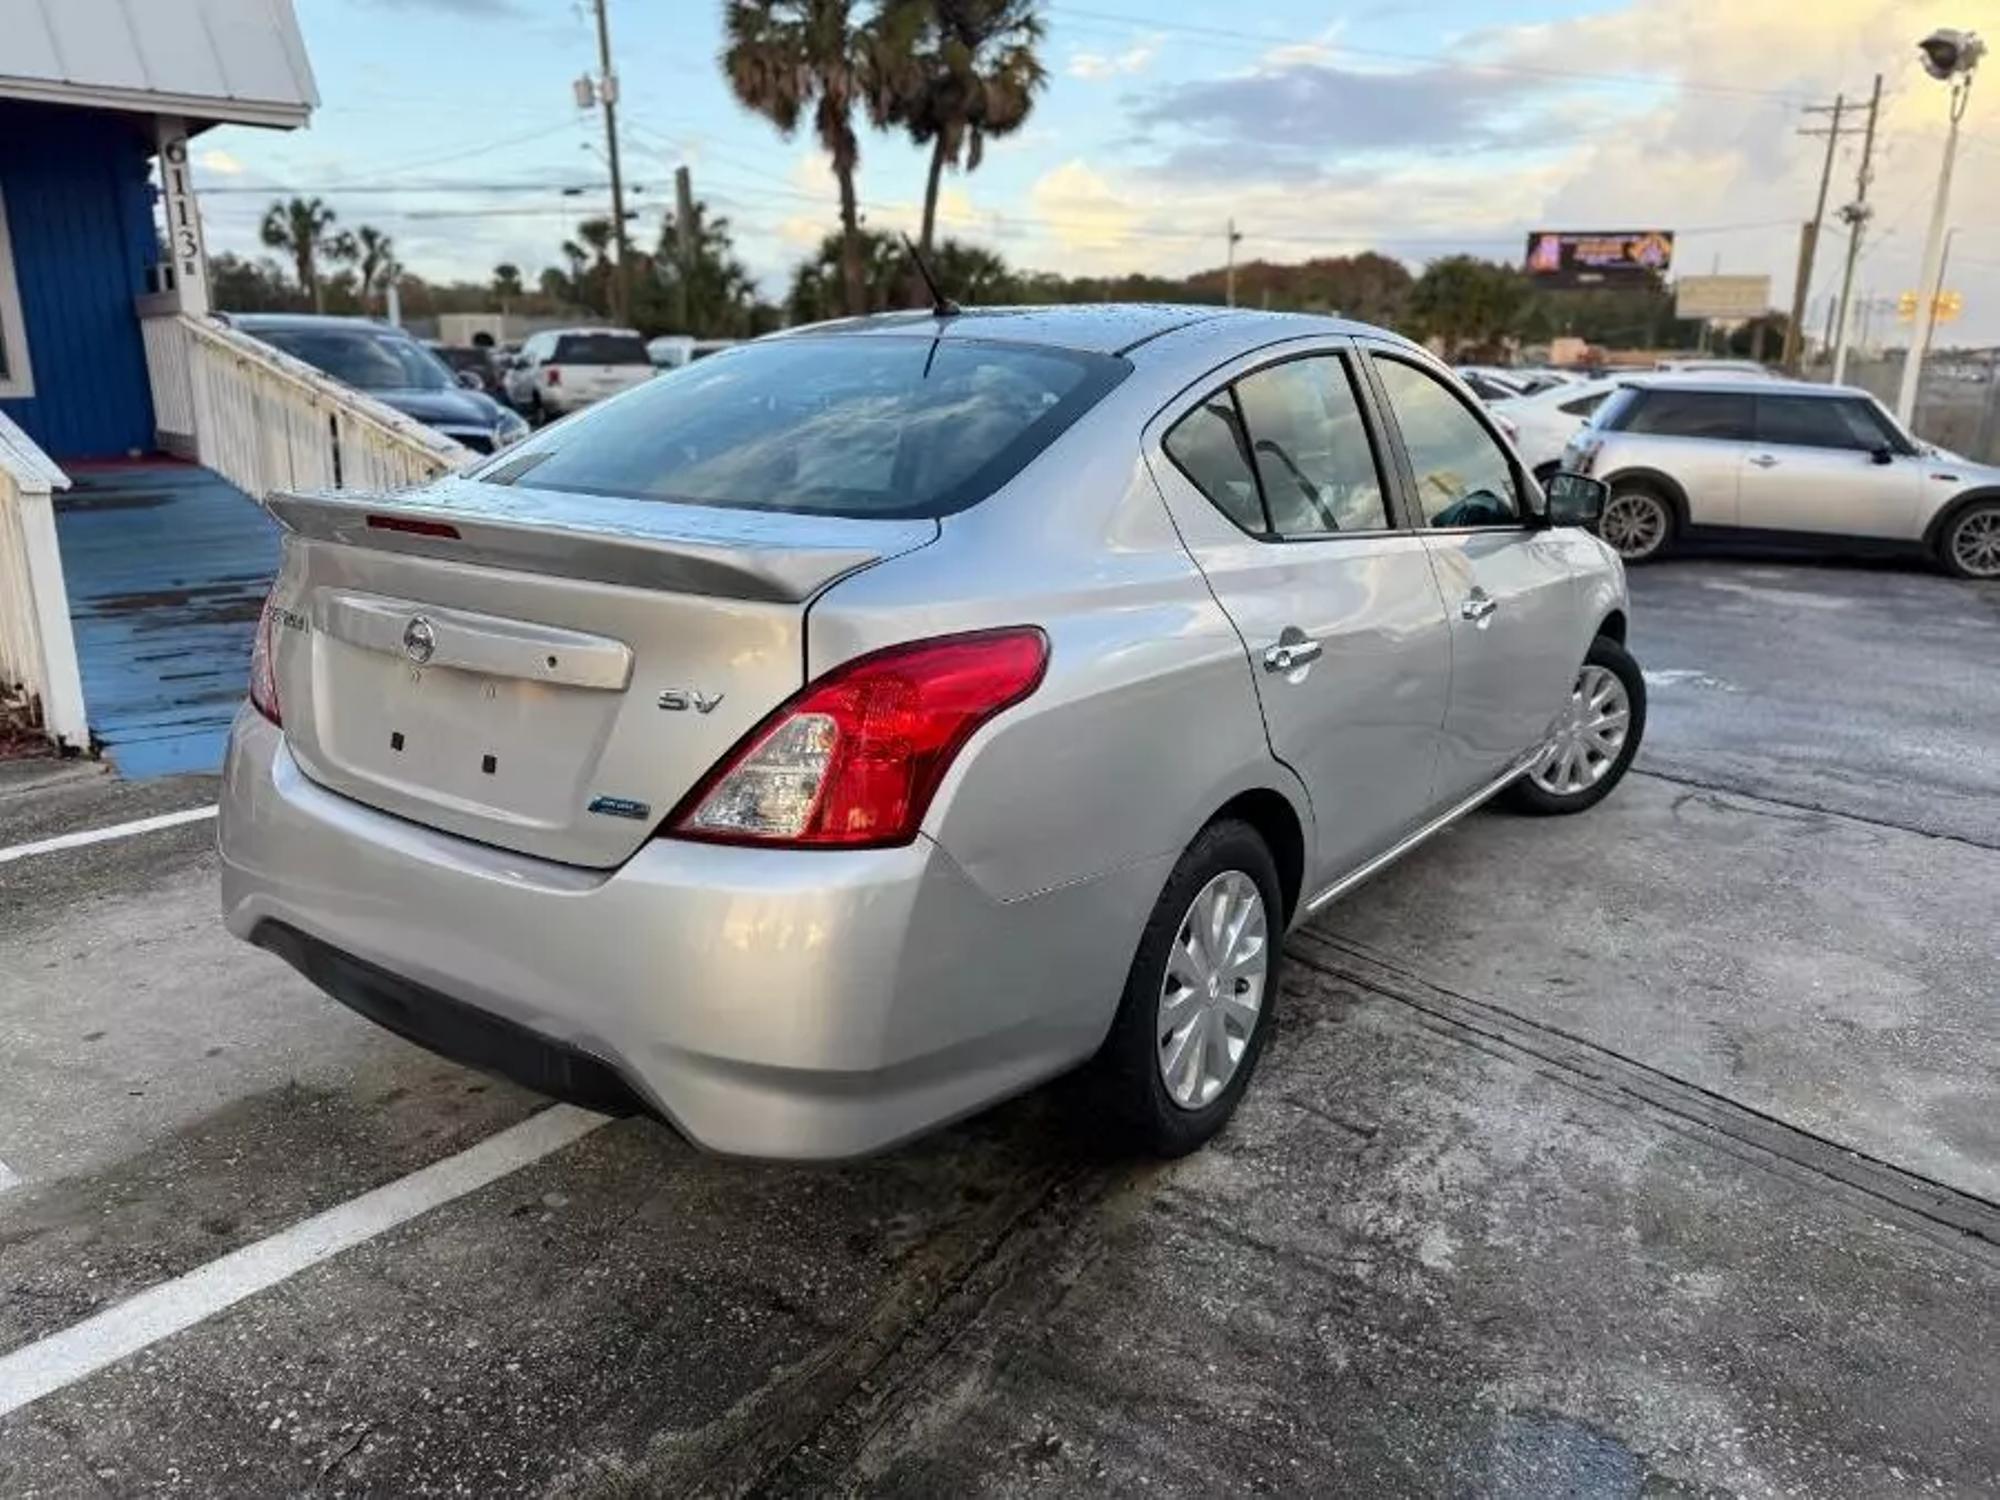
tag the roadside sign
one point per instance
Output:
(1722, 298)
(1574, 258)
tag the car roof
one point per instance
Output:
(1092, 327)
(623, 333)
(304, 321)
(1737, 385)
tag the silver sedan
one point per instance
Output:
(844, 732)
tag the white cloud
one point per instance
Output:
(1096, 66)
(220, 162)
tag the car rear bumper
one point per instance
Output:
(767, 1003)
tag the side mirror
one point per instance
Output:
(471, 381)
(1883, 454)
(1575, 499)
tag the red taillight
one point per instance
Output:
(263, 666)
(552, 376)
(854, 759)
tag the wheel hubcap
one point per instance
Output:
(1213, 992)
(1975, 544)
(1587, 737)
(1634, 525)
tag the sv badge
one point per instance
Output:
(680, 700)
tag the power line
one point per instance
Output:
(1216, 35)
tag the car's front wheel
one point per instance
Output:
(1594, 739)
(1197, 1003)
(1970, 543)
(1638, 522)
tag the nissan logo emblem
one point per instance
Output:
(419, 640)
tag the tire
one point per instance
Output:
(1638, 521)
(1555, 785)
(1969, 544)
(1127, 1086)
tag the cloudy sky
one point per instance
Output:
(1417, 128)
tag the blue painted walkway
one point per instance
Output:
(167, 565)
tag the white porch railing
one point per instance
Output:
(37, 650)
(266, 421)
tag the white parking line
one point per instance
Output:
(36, 1370)
(103, 835)
(8, 1177)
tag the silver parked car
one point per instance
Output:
(861, 725)
(1788, 461)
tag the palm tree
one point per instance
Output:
(507, 280)
(302, 229)
(372, 254)
(785, 57)
(972, 73)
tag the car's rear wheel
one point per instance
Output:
(1638, 521)
(1970, 543)
(1594, 740)
(1197, 1003)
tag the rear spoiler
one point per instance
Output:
(732, 554)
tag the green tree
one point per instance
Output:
(507, 281)
(373, 256)
(972, 275)
(303, 229)
(820, 286)
(787, 57)
(958, 72)
(708, 293)
(1463, 302)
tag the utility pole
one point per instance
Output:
(1809, 235)
(1231, 274)
(1856, 215)
(1932, 280)
(607, 95)
(687, 241)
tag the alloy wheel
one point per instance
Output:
(1588, 737)
(1975, 543)
(1213, 992)
(1634, 523)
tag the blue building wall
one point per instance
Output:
(79, 212)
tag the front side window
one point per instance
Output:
(367, 361)
(1464, 477)
(1209, 447)
(1311, 446)
(877, 426)
(1715, 415)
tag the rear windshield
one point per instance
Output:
(600, 349)
(871, 426)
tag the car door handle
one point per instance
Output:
(1478, 608)
(1290, 655)
(1764, 461)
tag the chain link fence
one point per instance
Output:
(1958, 403)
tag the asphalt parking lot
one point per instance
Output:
(1653, 1152)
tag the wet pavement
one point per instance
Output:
(1646, 1153)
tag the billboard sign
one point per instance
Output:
(1615, 257)
(1722, 298)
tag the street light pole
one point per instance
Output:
(1930, 283)
(1230, 275)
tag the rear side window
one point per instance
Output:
(869, 426)
(1209, 445)
(1583, 406)
(1695, 414)
(1311, 448)
(600, 349)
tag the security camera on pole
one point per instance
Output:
(1950, 57)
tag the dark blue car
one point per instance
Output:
(393, 368)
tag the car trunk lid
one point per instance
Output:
(546, 672)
